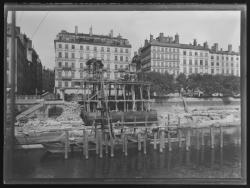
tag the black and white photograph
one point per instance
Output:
(134, 93)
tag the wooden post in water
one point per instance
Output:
(86, 142)
(139, 141)
(155, 137)
(179, 131)
(112, 147)
(83, 141)
(106, 142)
(97, 141)
(169, 135)
(212, 136)
(221, 136)
(188, 139)
(169, 141)
(197, 139)
(164, 139)
(161, 139)
(123, 140)
(202, 138)
(101, 142)
(145, 142)
(126, 144)
(66, 144)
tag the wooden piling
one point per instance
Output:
(106, 142)
(179, 131)
(197, 139)
(66, 144)
(161, 140)
(169, 141)
(86, 145)
(83, 141)
(145, 142)
(97, 141)
(188, 139)
(221, 136)
(212, 136)
(126, 144)
(112, 147)
(155, 137)
(101, 143)
(123, 141)
(139, 141)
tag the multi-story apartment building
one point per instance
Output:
(167, 54)
(73, 50)
(28, 65)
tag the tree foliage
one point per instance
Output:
(209, 84)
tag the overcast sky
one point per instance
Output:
(211, 26)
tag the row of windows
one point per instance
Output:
(222, 57)
(162, 49)
(196, 62)
(165, 64)
(166, 56)
(195, 53)
(95, 48)
(66, 56)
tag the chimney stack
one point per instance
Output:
(205, 45)
(216, 47)
(230, 48)
(146, 42)
(176, 38)
(171, 39)
(111, 33)
(90, 31)
(151, 37)
(195, 42)
(76, 30)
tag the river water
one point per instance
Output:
(198, 162)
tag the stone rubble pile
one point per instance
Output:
(71, 112)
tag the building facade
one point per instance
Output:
(28, 65)
(166, 54)
(73, 50)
